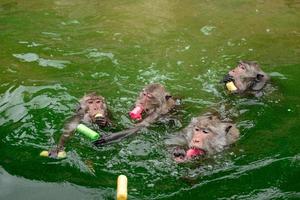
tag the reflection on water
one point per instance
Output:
(52, 53)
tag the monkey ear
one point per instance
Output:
(81, 106)
(78, 107)
(260, 81)
(227, 129)
(232, 133)
(259, 76)
(168, 96)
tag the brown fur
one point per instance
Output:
(247, 76)
(206, 132)
(156, 101)
(89, 105)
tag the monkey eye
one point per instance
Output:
(205, 131)
(242, 67)
(90, 101)
(149, 95)
(98, 101)
(197, 129)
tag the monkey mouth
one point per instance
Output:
(99, 119)
(227, 78)
(230, 83)
(98, 115)
(231, 86)
(194, 152)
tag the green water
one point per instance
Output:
(52, 52)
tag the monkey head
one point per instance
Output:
(152, 99)
(247, 76)
(210, 135)
(94, 109)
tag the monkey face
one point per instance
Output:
(152, 98)
(210, 134)
(95, 107)
(199, 137)
(246, 76)
(148, 100)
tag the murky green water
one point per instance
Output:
(52, 52)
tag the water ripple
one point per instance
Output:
(29, 110)
(32, 57)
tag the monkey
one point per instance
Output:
(92, 109)
(205, 135)
(246, 77)
(152, 103)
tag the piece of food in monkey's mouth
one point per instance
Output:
(194, 152)
(136, 113)
(230, 86)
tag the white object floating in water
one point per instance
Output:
(122, 188)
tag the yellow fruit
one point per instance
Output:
(61, 154)
(44, 153)
(230, 86)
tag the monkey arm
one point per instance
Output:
(114, 137)
(149, 120)
(68, 131)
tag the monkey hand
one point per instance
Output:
(178, 152)
(101, 121)
(53, 153)
(100, 142)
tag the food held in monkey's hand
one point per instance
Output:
(53, 154)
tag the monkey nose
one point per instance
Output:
(227, 78)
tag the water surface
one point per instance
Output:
(53, 52)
